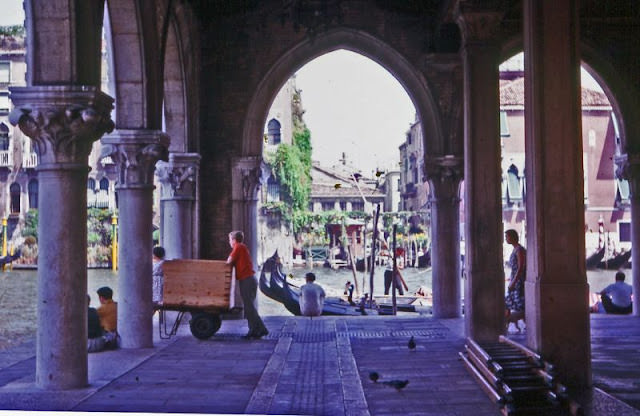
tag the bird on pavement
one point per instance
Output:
(396, 384)
(374, 376)
(412, 344)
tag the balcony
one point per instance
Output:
(29, 160)
(5, 161)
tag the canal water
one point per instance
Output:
(18, 290)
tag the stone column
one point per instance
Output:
(245, 182)
(135, 153)
(445, 175)
(629, 169)
(63, 122)
(245, 185)
(556, 289)
(178, 178)
(484, 272)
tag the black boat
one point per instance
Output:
(278, 289)
(594, 259)
(616, 262)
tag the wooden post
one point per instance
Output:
(393, 273)
(373, 254)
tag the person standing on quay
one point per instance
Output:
(245, 275)
(514, 300)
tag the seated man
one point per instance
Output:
(311, 297)
(108, 313)
(616, 298)
(95, 340)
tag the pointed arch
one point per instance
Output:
(364, 44)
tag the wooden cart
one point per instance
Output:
(202, 288)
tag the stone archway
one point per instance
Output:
(440, 130)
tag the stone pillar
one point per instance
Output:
(556, 289)
(445, 175)
(178, 194)
(63, 122)
(629, 169)
(245, 184)
(484, 272)
(135, 153)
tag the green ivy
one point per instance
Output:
(291, 165)
(31, 224)
(17, 30)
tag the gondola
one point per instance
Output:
(594, 259)
(278, 289)
(616, 262)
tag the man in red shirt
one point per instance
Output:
(245, 275)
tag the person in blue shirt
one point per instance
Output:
(616, 298)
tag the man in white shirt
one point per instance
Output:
(311, 297)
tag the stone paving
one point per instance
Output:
(318, 366)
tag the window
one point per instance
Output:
(514, 190)
(504, 126)
(4, 137)
(624, 231)
(104, 184)
(91, 184)
(357, 206)
(343, 206)
(5, 104)
(33, 193)
(327, 206)
(273, 131)
(5, 72)
(622, 191)
(273, 190)
(14, 194)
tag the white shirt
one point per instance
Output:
(311, 299)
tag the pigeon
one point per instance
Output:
(412, 344)
(374, 376)
(396, 384)
(378, 173)
(337, 186)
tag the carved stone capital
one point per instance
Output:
(135, 153)
(62, 121)
(246, 178)
(478, 23)
(446, 79)
(628, 167)
(178, 176)
(444, 174)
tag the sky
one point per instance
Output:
(12, 12)
(354, 105)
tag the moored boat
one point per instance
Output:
(594, 259)
(616, 262)
(278, 289)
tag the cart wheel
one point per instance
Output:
(203, 325)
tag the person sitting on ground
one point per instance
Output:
(158, 276)
(311, 297)
(616, 298)
(95, 341)
(108, 313)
